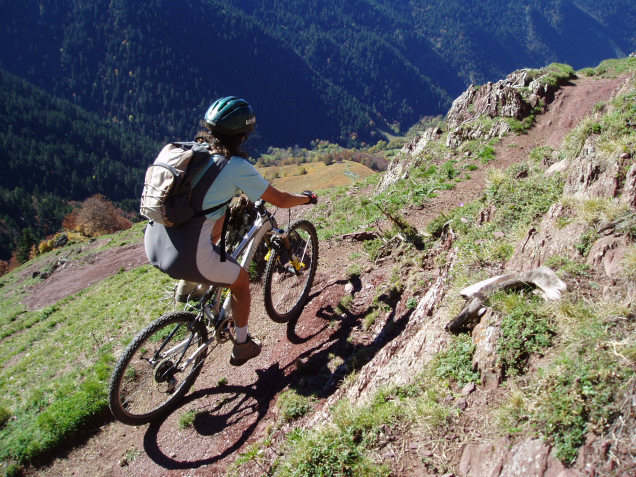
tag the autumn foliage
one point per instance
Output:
(96, 216)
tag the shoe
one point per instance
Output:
(243, 352)
(188, 290)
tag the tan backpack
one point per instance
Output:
(176, 182)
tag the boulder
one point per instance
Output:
(607, 254)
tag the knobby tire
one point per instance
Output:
(139, 392)
(290, 273)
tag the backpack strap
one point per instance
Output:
(206, 181)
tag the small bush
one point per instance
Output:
(187, 419)
(293, 406)
(525, 330)
(456, 362)
(5, 415)
(586, 241)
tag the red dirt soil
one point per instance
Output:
(232, 416)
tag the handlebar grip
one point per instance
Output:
(313, 198)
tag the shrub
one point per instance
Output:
(5, 415)
(293, 406)
(187, 419)
(456, 362)
(96, 216)
(525, 330)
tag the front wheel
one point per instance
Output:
(157, 368)
(291, 266)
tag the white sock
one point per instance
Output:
(241, 334)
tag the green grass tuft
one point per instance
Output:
(526, 329)
(292, 405)
(456, 362)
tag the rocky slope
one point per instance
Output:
(332, 354)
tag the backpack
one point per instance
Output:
(169, 196)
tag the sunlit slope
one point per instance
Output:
(315, 175)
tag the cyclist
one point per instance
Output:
(188, 251)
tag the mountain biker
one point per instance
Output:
(187, 252)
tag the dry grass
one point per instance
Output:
(315, 175)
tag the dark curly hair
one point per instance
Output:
(222, 144)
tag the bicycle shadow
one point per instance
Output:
(242, 408)
(251, 402)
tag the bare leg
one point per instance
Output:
(241, 299)
(245, 348)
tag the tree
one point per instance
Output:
(97, 216)
(26, 241)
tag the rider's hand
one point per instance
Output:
(313, 198)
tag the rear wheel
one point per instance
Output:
(290, 271)
(154, 372)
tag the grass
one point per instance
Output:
(57, 391)
(292, 405)
(526, 329)
(629, 263)
(344, 213)
(566, 266)
(186, 419)
(611, 68)
(316, 175)
(455, 363)
(580, 389)
(343, 448)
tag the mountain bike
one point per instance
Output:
(163, 361)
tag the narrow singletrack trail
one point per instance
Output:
(236, 407)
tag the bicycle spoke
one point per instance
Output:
(158, 368)
(290, 273)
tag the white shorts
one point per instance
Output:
(208, 259)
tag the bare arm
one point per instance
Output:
(282, 199)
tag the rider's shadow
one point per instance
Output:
(239, 403)
(250, 404)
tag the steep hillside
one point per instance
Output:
(369, 380)
(54, 152)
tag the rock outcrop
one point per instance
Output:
(515, 97)
(479, 113)
(591, 175)
(530, 458)
(408, 158)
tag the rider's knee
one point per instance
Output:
(242, 283)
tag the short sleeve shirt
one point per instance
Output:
(237, 175)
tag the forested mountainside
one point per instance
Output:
(119, 77)
(343, 71)
(53, 152)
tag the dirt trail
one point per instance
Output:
(243, 411)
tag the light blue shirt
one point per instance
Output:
(237, 175)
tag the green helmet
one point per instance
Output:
(230, 116)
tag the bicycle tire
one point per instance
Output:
(290, 273)
(143, 389)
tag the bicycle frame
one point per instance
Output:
(264, 224)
